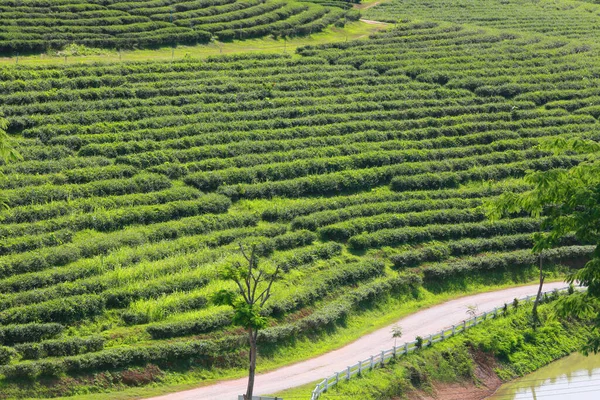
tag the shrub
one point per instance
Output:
(34, 332)
(6, 354)
(60, 348)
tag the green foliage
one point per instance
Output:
(34, 332)
(60, 347)
(151, 24)
(161, 354)
(6, 354)
(254, 284)
(508, 344)
(520, 259)
(568, 199)
(139, 179)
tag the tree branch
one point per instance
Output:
(267, 292)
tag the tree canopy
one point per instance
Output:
(568, 200)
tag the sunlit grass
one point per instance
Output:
(353, 30)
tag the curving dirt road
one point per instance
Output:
(421, 323)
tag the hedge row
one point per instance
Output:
(168, 279)
(67, 310)
(144, 117)
(234, 154)
(294, 169)
(47, 193)
(151, 39)
(111, 220)
(186, 328)
(278, 119)
(57, 209)
(161, 354)
(513, 260)
(344, 230)
(323, 218)
(42, 167)
(31, 242)
(103, 242)
(35, 332)
(347, 181)
(286, 241)
(71, 279)
(74, 176)
(395, 237)
(60, 348)
(330, 280)
(340, 308)
(308, 255)
(442, 179)
(123, 297)
(443, 251)
(324, 283)
(290, 210)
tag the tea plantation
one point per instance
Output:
(360, 167)
(36, 25)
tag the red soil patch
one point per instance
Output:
(486, 383)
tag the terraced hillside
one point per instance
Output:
(557, 18)
(36, 25)
(360, 167)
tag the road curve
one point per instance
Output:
(421, 323)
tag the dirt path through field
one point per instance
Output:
(371, 22)
(421, 323)
(365, 6)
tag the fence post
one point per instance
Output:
(467, 323)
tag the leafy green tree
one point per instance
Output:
(7, 152)
(254, 282)
(568, 200)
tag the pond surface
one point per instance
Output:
(573, 377)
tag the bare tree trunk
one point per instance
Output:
(536, 318)
(252, 368)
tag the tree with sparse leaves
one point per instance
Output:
(254, 282)
(568, 201)
(396, 333)
(472, 311)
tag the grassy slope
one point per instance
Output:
(516, 347)
(380, 315)
(353, 30)
(356, 325)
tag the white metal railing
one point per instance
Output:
(381, 357)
